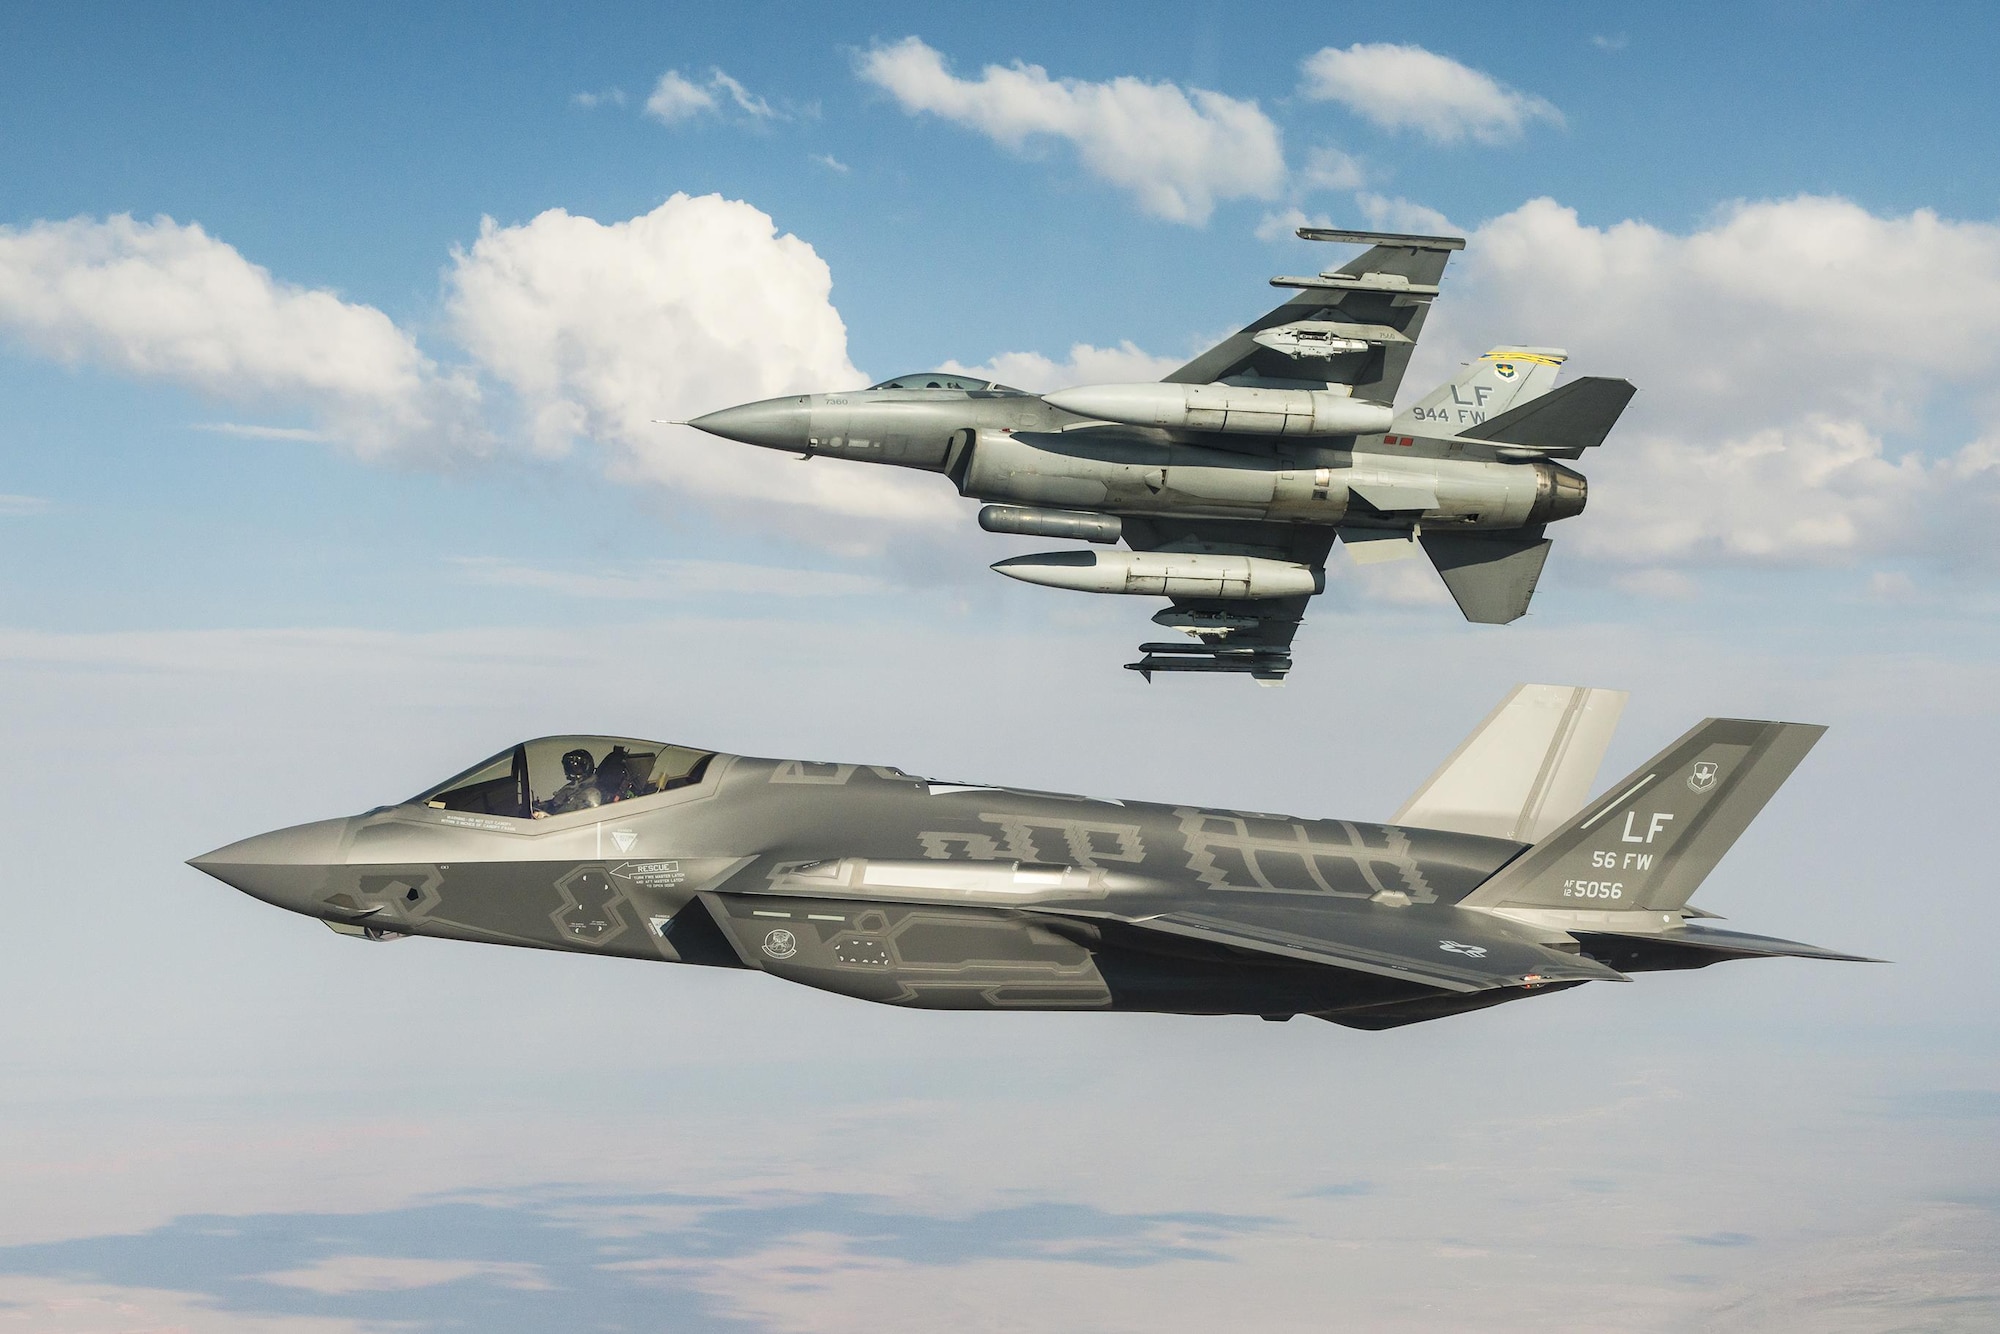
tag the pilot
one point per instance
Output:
(580, 792)
(615, 777)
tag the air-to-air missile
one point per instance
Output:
(1231, 480)
(1496, 881)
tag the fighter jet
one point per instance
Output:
(1231, 479)
(1494, 882)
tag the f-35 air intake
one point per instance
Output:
(1165, 574)
(1228, 408)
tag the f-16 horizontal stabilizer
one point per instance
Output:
(1565, 421)
(1662, 828)
(1491, 576)
(1524, 770)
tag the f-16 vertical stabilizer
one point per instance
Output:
(1504, 378)
(1647, 845)
(1524, 770)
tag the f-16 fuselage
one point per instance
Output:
(1003, 445)
(866, 881)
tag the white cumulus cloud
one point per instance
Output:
(1033, 371)
(1176, 151)
(1401, 87)
(1790, 356)
(163, 300)
(677, 98)
(601, 328)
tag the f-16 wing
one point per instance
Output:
(1246, 635)
(1355, 325)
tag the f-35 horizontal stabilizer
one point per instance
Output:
(1696, 947)
(1565, 421)
(1491, 576)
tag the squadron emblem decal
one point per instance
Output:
(781, 944)
(1703, 777)
(1504, 369)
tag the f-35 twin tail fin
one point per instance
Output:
(1526, 768)
(1618, 876)
(1646, 846)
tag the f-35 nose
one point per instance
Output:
(774, 423)
(287, 867)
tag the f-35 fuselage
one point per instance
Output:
(866, 881)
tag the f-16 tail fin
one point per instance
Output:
(1561, 423)
(1663, 827)
(1504, 378)
(1524, 770)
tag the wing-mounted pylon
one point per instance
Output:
(1353, 326)
(1247, 636)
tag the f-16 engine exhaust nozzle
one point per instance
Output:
(774, 423)
(1560, 493)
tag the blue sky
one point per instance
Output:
(313, 505)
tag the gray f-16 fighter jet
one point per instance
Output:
(1231, 479)
(1494, 882)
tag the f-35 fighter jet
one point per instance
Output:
(1231, 479)
(1495, 882)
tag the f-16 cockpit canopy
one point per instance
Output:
(942, 380)
(559, 775)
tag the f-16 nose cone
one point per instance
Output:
(774, 423)
(287, 867)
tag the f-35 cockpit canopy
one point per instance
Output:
(943, 380)
(559, 775)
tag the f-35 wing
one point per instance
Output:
(1251, 636)
(1386, 941)
(1356, 325)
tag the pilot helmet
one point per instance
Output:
(577, 765)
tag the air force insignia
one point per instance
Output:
(1504, 369)
(781, 944)
(1469, 951)
(1703, 777)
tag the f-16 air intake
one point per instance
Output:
(1230, 409)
